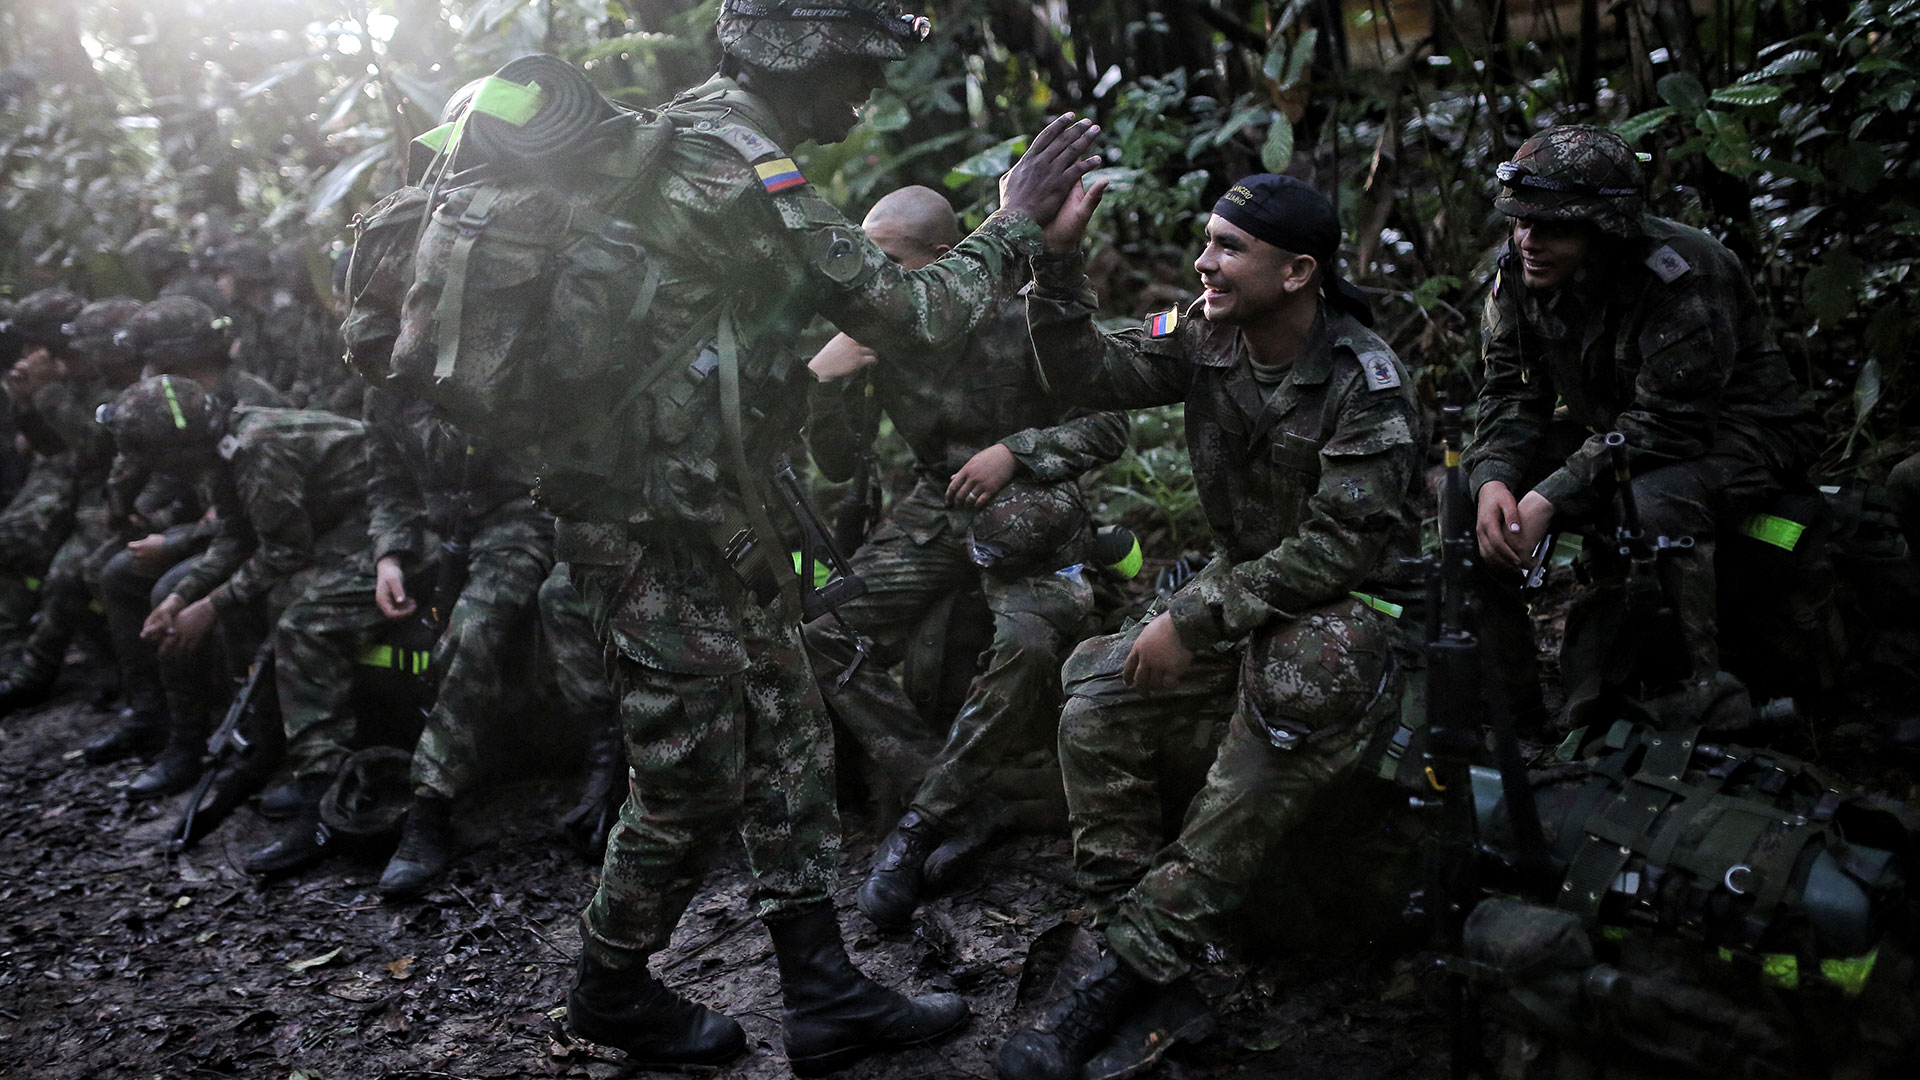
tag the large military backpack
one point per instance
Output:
(512, 294)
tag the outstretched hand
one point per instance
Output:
(1041, 181)
(1069, 227)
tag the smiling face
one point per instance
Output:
(1244, 277)
(1551, 252)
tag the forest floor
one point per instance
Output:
(119, 959)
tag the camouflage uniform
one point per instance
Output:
(722, 720)
(1311, 485)
(949, 404)
(1667, 345)
(428, 485)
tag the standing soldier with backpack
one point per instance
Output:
(732, 251)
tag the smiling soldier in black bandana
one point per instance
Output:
(1306, 444)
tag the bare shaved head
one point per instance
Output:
(914, 225)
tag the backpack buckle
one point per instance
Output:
(470, 223)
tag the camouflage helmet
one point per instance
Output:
(41, 318)
(162, 413)
(246, 259)
(176, 330)
(1574, 173)
(95, 331)
(795, 36)
(1029, 527)
(371, 794)
(158, 252)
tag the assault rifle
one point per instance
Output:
(842, 584)
(1461, 723)
(251, 746)
(1653, 650)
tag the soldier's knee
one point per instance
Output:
(1021, 636)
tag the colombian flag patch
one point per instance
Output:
(1162, 324)
(779, 174)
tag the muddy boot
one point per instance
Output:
(1076, 1027)
(632, 1010)
(281, 799)
(136, 730)
(302, 840)
(834, 1015)
(606, 788)
(178, 765)
(895, 884)
(426, 847)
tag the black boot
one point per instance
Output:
(834, 1015)
(26, 685)
(178, 765)
(632, 1010)
(136, 731)
(303, 839)
(895, 884)
(426, 847)
(281, 799)
(1074, 1027)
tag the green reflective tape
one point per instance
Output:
(1613, 933)
(411, 661)
(33, 583)
(1129, 564)
(173, 403)
(1385, 607)
(1783, 533)
(1849, 973)
(821, 571)
(1782, 970)
(508, 100)
(380, 656)
(436, 139)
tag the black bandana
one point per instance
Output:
(1292, 216)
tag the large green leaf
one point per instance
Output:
(1727, 144)
(992, 161)
(1682, 90)
(1829, 288)
(1277, 152)
(1748, 94)
(1634, 127)
(1866, 390)
(337, 183)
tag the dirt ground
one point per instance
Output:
(120, 960)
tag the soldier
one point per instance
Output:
(289, 492)
(1307, 446)
(997, 505)
(1634, 324)
(167, 264)
(96, 367)
(160, 515)
(580, 669)
(455, 527)
(723, 725)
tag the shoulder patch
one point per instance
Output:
(837, 252)
(1667, 264)
(1163, 324)
(1380, 370)
(748, 143)
(779, 175)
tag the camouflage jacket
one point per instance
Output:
(1669, 348)
(288, 479)
(951, 402)
(427, 481)
(1312, 488)
(774, 253)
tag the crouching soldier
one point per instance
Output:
(997, 505)
(453, 529)
(1307, 445)
(289, 492)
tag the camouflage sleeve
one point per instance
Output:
(1083, 441)
(1688, 352)
(1516, 404)
(396, 507)
(232, 538)
(833, 425)
(272, 487)
(125, 482)
(1366, 467)
(1128, 370)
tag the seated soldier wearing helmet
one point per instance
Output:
(997, 505)
(36, 519)
(162, 516)
(1307, 444)
(1634, 324)
(94, 367)
(289, 493)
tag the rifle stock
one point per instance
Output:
(230, 783)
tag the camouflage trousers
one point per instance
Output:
(1685, 499)
(66, 593)
(724, 730)
(578, 661)
(318, 639)
(32, 527)
(1035, 619)
(1299, 704)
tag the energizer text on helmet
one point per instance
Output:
(1514, 175)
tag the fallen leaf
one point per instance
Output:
(314, 962)
(182, 902)
(402, 968)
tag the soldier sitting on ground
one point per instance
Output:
(452, 528)
(997, 506)
(1637, 325)
(160, 516)
(1307, 448)
(289, 493)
